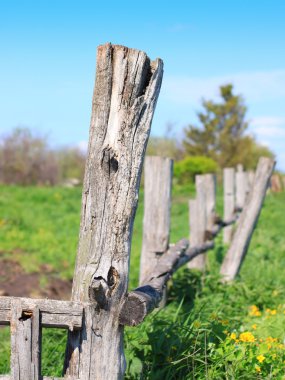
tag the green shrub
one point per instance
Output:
(186, 169)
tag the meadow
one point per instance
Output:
(208, 330)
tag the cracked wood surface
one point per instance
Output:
(126, 90)
(248, 220)
(25, 342)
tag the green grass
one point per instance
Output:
(190, 337)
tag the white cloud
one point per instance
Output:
(269, 121)
(255, 86)
(268, 127)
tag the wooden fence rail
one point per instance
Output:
(126, 90)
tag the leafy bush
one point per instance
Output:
(186, 169)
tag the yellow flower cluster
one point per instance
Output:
(246, 337)
(260, 358)
(254, 311)
(271, 312)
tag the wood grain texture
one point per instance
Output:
(60, 314)
(126, 90)
(229, 201)
(25, 343)
(157, 205)
(248, 220)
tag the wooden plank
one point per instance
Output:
(25, 343)
(248, 220)
(229, 202)
(241, 189)
(126, 90)
(61, 314)
(210, 190)
(157, 204)
(198, 222)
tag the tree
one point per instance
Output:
(222, 131)
(26, 159)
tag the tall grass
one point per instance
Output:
(189, 338)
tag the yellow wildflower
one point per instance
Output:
(271, 340)
(254, 326)
(246, 337)
(197, 324)
(254, 311)
(257, 368)
(233, 336)
(260, 358)
(273, 312)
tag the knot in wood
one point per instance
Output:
(99, 292)
(109, 161)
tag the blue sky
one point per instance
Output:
(48, 53)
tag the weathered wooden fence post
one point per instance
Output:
(198, 221)
(126, 90)
(210, 188)
(248, 220)
(157, 204)
(250, 175)
(241, 187)
(229, 202)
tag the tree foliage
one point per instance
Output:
(186, 169)
(27, 159)
(221, 134)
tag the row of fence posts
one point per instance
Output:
(237, 185)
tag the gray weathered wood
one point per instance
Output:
(25, 343)
(198, 221)
(141, 301)
(210, 189)
(61, 314)
(157, 204)
(229, 201)
(241, 187)
(126, 90)
(248, 220)
(250, 175)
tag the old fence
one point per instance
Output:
(126, 90)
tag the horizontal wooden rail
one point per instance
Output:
(141, 301)
(53, 313)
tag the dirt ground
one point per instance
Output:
(14, 281)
